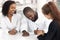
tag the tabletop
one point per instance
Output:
(18, 36)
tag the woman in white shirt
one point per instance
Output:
(11, 21)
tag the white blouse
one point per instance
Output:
(6, 25)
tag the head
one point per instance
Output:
(47, 11)
(9, 8)
(51, 11)
(30, 13)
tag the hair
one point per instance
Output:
(46, 9)
(51, 8)
(28, 9)
(6, 7)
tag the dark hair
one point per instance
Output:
(28, 9)
(6, 7)
(46, 9)
(51, 8)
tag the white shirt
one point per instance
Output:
(18, 22)
(6, 25)
(24, 24)
(40, 24)
(34, 25)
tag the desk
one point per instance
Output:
(18, 36)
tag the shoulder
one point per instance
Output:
(17, 16)
(3, 20)
(54, 25)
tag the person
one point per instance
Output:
(32, 17)
(10, 22)
(29, 11)
(50, 11)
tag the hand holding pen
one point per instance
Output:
(38, 32)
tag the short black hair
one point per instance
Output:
(6, 6)
(27, 9)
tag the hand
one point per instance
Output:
(35, 32)
(12, 32)
(25, 33)
(40, 32)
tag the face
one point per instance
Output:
(12, 9)
(30, 15)
(48, 16)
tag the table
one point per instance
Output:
(18, 36)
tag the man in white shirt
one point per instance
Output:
(33, 21)
(32, 17)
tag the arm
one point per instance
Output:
(24, 25)
(4, 26)
(51, 32)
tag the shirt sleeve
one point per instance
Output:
(4, 26)
(24, 25)
(18, 24)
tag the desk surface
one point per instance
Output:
(18, 36)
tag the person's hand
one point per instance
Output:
(40, 32)
(35, 31)
(25, 33)
(12, 32)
